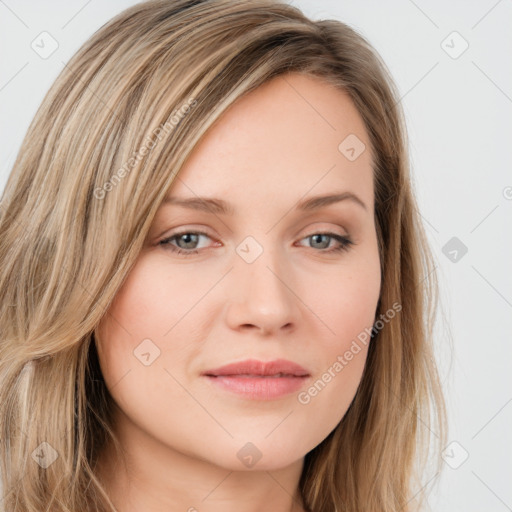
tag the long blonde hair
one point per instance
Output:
(80, 200)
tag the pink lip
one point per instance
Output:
(259, 380)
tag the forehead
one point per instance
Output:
(285, 139)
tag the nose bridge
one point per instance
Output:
(260, 263)
(263, 283)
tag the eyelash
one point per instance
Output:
(345, 243)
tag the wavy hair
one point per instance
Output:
(80, 200)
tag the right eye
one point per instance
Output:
(185, 237)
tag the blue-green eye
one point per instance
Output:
(343, 241)
(188, 238)
(191, 238)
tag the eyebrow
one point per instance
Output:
(219, 206)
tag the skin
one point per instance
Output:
(180, 433)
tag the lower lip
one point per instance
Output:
(259, 388)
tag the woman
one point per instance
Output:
(253, 369)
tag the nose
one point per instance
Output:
(261, 295)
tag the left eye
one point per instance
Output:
(191, 238)
(343, 241)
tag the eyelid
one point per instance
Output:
(198, 229)
(204, 231)
(177, 234)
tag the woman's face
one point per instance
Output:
(263, 281)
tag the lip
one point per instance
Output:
(259, 380)
(261, 368)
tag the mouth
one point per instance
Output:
(258, 380)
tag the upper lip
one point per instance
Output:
(263, 368)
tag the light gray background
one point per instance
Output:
(459, 113)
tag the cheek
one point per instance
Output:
(150, 327)
(129, 322)
(345, 300)
(347, 308)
